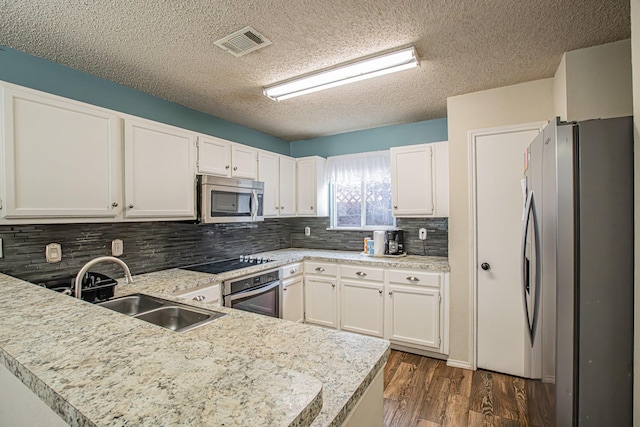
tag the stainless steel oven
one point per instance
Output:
(229, 199)
(259, 293)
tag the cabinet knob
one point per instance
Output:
(281, 207)
(485, 266)
(413, 279)
(333, 285)
(114, 204)
(226, 167)
(361, 274)
(390, 292)
(284, 289)
(395, 206)
(130, 206)
(380, 291)
(293, 271)
(199, 298)
(311, 207)
(235, 168)
(320, 269)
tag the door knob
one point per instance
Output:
(485, 266)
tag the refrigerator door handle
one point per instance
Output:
(525, 265)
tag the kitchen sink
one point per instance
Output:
(168, 314)
(134, 304)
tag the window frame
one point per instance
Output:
(333, 214)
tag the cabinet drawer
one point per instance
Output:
(320, 268)
(413, 277)
(291, 270)
(208, 295)
(362, 273)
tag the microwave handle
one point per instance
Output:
(254, 204)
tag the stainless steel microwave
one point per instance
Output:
(229, 200)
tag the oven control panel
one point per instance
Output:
(245, 283)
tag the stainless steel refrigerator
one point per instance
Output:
(577, 267)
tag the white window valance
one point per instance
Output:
(358, 167)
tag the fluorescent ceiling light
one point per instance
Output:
(350, 73)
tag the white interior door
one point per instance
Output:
(502, 343)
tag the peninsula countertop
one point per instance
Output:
(97, 367)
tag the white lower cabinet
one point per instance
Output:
(407, 307)
(413, 315)
(293, 299)
(293, 292)
(362, 307)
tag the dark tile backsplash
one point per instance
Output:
(321, 238)
(153, 246)
(148, 246)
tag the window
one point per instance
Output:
(360, 191)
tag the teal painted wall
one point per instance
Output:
(372, 139)
(37, 73)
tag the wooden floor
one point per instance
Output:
(424, 392)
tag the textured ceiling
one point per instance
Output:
(165, 48)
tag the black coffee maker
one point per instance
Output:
(394, 242)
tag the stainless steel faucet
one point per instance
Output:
(87, 266)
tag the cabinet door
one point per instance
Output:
(413, 315)
(61, 158)
(412, 180)
(245, 162)
(287, 186)
(159, 171)
(214, 156)
(268, 166)
(362, 307)
(321, 298)
(293, 299)
(306, 187)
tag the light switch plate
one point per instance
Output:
(117, 247)
(53, 252)
(307, 231)
(1, 253)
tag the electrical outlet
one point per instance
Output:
(117, 247)
(307, 231)
(423, 234)
(53, 252)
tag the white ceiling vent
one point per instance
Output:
(242, 42)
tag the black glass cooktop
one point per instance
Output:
(222, 266)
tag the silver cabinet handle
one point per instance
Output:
(114, 204)
(293, 271)
(413, 279)
(360, 274)
(320, 269)
(235, 168)
(199, 298)
(226, 167)
(131, 206)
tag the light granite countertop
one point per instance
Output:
(97, 367)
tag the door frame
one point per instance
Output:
(472, 136)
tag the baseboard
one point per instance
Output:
(459, 364)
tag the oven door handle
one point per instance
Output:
(253, 292)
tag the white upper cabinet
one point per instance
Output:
(268, 172)
(60, 159)
(214, 156)
(217, 156)
(159, 171)
(287, 186)
(244, 161)
(420, 180)
(312, 192)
